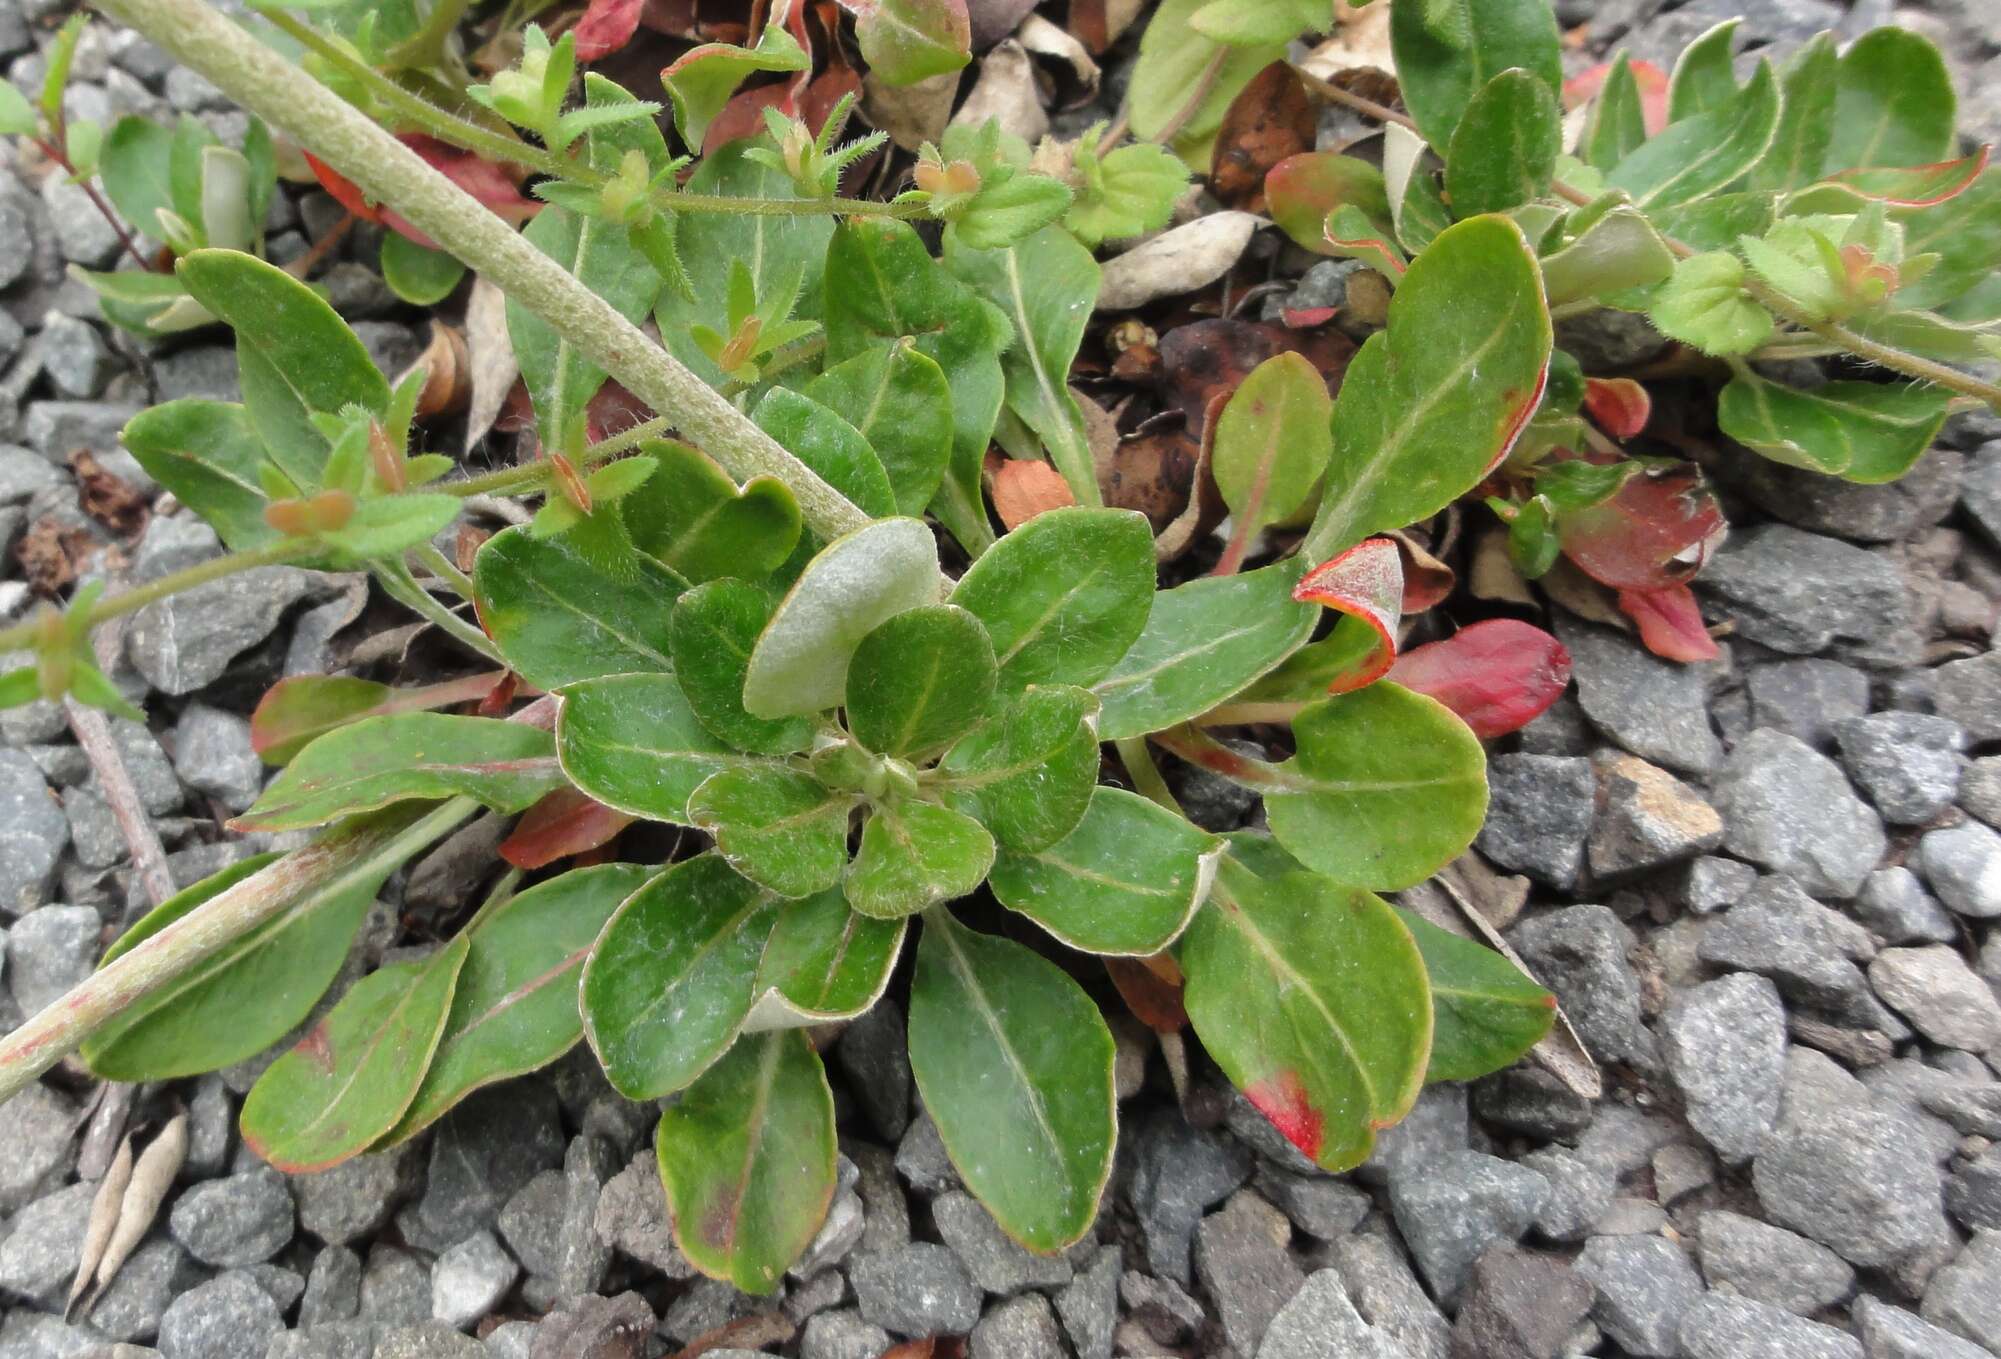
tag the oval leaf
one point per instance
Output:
(1866, 432)
(1497, 676)
(1446, 53)
(1027, 774)
(1893, 103)
(920, 681)
(823, 962)
(830, 446)
(1485, 1012)
(914, 855)
(1504, 150)
(558, 619)
(715, 627)
(692, 516)
(1272, 444)
(776, 826)
(633, 743)
(896, 398)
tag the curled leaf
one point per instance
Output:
(1365, 583)
(1656, 530)
(104, 1206)
(1620, 405)
(1498, 676)
(1183, 260)
(153, 1176)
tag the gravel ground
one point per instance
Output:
(1762, 889)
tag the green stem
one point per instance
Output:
(1888, 356)
(535, 475)
(445, 570)
(22, 635)
(404, 589)
(1145, 774)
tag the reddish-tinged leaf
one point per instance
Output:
(1151, 989)
(1655, 531)
(293, 711)
(343, 190)
(564, 823)
(1427, 581)
(1306, 318)
(1670, 624)
(607, 26)
(486, 181)
(1366, 583)
(1498, 676)
(1583, 87)
(1023, 489)
(743, 115)
(912, 1349)
(613, 411)
(1917, 186)
(1270, 120)
(1285, 1104)
(1374, 248)
(1621, 406)
(1300, 191)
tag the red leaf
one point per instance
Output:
(1306, 318)
(1583, 87)
(563, 823)
(1366, 583)
(1498, 676)
(1656, 530)
(1670, 624)
(1283, 1100)
(1427, 581)
(486, 181)
(607, 26)
(1620, 405)
(343, 190)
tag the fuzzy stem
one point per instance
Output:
(391, 173)
(344, 856)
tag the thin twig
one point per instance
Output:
(1203, 84)
(302, 267)
(93, 733)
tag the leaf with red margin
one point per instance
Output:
(485, 180)
(564, 823)
(607, 26)
(294, 711)
(1300, 192)
(1312, 997)
(1652, 81)
(1434, 403)
(1365, 583)
(1670, 623)
(1656, 530)
(1498, 676)
(1916, 186)
(1621, 406)
(1350, 233)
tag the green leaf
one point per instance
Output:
(1806, 119)
(830, 446)
(1175, 72)
(1272, 442)
(1893, 103)
(1014, 1063)
(134, 170)
(774, 248)
(389, 526)
(17, 115)
(420, 276)
(668, 985)
(1716, 223)
(1127, 192)
(905, 41)
(633, 742)
(1618, 121)
(1434, 403)
(600, 255)
(238, 1001)
(1867, 432)
(559, 619)
(776, 826)
(800, 664)
(823, 962)
(1388, 786)
(1008, 211)
(882, 284)
(350, 1079)
(1965, 232)
(1485, 1013)
(1931, 335)
(701, 81)
(1311, 996)
(1027, 774)
(747, 1158)
(381, 760)
(914, 855)
(691, 515)
(1126, 880)
(1503, 150)
(715, 627)
(1203, 642)
(295, 357)
(1064, 596)
(1703, 79)
(207, 454)
(1250, 23)
(1302, 191)
(1048, 287)
(515, 1007)
(1443, 67)
(1703, 154)
(921, 680)
(1620, 250)
(897, 399)
(1704, 304)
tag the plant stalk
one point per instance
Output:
(389, 172)
(345, 855)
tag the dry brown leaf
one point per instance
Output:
(1175, 262)
(447, 365)
(745, 1333)
(153, 1176)
(491, 355)
(1270, 119)
(1583, 596)
(1152, 993)
(1006, 92)
(107, 497)
(1022, 489)
(104, 1206)
(993, 20)
(1427, 581)
(911, 114)
(49, 553)
(1361, 39)
(1152, 471)
(1100, 23)
(926, 1348)
(1045, 39)
(1493, 575)
(1205, 508)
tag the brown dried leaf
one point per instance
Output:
(1207, 359)
(1493, 575)
(1427, 581)
(1151, 471)
(1270, 119)
(911, 114)
(1044, 39)
(447, 365)
(1022, 489)
(926, 1348)
(491, 357)
(1152, 993)
(1006, 92)
(1361, 39)
(1100, 23)
(104, 1206)
(49, 553)
(1583, 596)
(745, 1333)
(107, 497)
(153, 1176)
(1183, 260)
(1205, 508)
(993, 20)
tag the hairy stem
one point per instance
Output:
(391, 173)
(346, 855)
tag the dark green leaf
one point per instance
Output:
(133, 166)
(897, 399)
(1703, 79)
(1485, 1013)
(1014, 1063)
(1893, 103)
(420, 276)
(1965, 232)
(830, 446)
(1860, 431)
(747, 1157)
(381, 760)
(1806, 119)
(823, 962)
(207, 454)
(350, 1079)
(1028, 773)
(1443, 67)
(1126, 880)
(558, 619)
(914, 855)
(1703, 154)
(715, 627)
(691, 515)
(1504, 149)
(776, 826)
(1618, 121)
(1620, 250)
(633, 742)
(920, 681)
(669, 984)
(600, 255)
